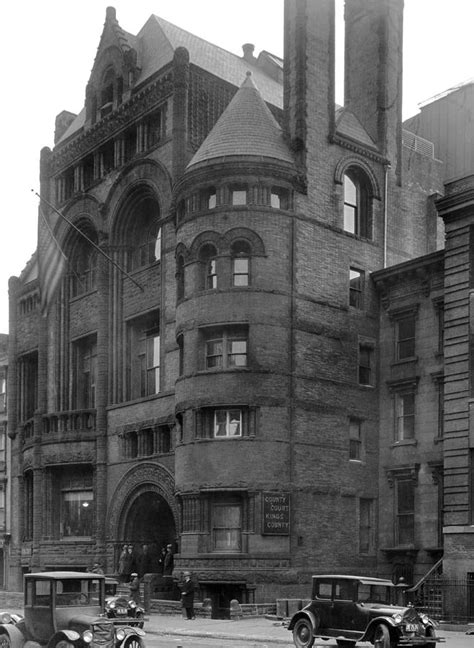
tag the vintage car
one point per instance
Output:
(65, 610)
(356, 608)
(122, 609)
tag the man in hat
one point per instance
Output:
(168, 562)
(187, 596)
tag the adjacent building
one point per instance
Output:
(250, 324)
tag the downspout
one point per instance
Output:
(387, 166)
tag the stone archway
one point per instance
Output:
(143, 511)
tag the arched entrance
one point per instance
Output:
(149, 520)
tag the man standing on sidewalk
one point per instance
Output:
(187, 596)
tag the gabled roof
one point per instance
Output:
(245, 128)
(348, 125)
(158, 39)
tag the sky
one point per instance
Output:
(48, 50)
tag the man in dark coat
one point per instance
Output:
(187, 596)
(168, 562)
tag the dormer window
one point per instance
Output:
(107, 94)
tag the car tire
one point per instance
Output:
(303, 636)
(133, 642)
(382, 637)
(5, 641)
(429, 633)
(64, 643)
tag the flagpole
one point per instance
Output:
(94, 245)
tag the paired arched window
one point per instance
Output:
(208, 261)
(357, 203)
(241, 253)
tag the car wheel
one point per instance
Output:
(429, 633)
(64, 643)
(5, 641)
(382, 637)
(303, 636)
(133, 642)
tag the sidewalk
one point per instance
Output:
(257, 629)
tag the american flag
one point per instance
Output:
(51, 263)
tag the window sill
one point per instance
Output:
(404, 442)
(402, 361)
(366, 386)
(222, 370)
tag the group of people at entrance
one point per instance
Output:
(144, 561)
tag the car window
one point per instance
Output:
(38, 593)
(373, 593)
(77, 592)
(343, 590)
(324, 590)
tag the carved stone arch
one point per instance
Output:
(209, 236)
(361, 167)
(182, 250)
(146, 175)
(83, 212)
(147, 477)
(244, 234)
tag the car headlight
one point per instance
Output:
(120, 634)
(87, 636)
(424, 619)
(112, 605)
(397, 617)
(132, 604)
(5, 617)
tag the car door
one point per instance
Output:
(344, 612)
(322, 603)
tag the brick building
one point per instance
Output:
(228, 395)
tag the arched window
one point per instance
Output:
(180, 277)
(144, 235)
(208, 259)
(107, 93)
(241, 252)
(83, 266)
(357, 208)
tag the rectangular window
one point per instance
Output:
(227, 527)
(28, 505)
(226, 348)
(143, 353)
(239, 196)
(366, 365)
(355, 440)
(240, 271)
(2, 444)
(440, 394)
(3, 390)
(227, 423)
(406, 337)
(356, 288)
(77, 509)
(366, 526)
(405, 511)
(85, 373)
(405, 416)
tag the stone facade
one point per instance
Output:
(233, 393)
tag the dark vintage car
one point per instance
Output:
(66, 610)
(356, 608)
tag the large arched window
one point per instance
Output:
(144, 235)
(180, 277)
(357, 204)
(83, 267)
(208, 260)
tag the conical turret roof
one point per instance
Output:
(245, 128)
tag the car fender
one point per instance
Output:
(70, 635)
(130, 631)
(369, 632)
(17, 638)
(304, 614)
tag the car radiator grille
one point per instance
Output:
(411, 616)
(104, 634)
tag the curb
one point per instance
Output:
(218, 635)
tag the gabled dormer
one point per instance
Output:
(114, 72)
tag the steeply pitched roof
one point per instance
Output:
(245, 128)
(159, 38)
(348, 125)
